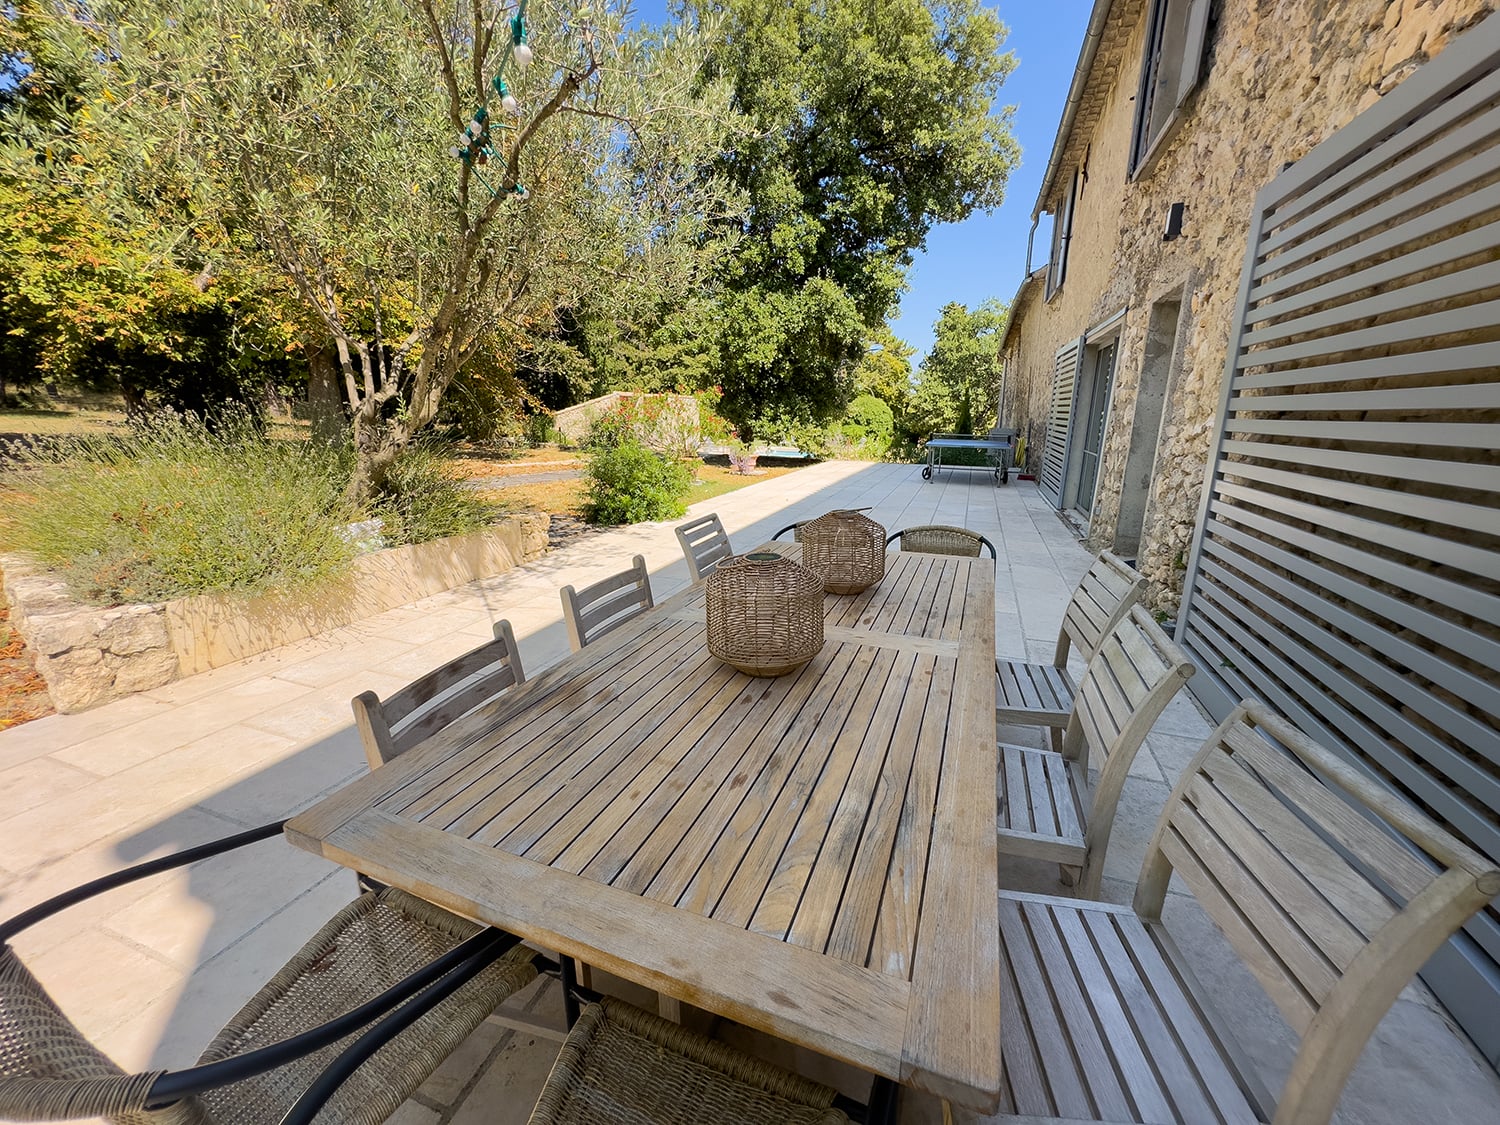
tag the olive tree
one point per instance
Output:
(414, 211)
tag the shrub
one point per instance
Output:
(629, 483)
(870, 425)
(422, 501)
(170, 509)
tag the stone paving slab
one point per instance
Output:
(152, 970)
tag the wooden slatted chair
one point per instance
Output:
(705, 544)
(1329, 887)
(1042, 694)
(1048, 809)
(940, 539)
(607, 604)
(431, 702)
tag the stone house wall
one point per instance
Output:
(1278, 78)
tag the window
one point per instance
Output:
(1062, 234)
(1175, 36)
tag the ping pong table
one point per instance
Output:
(998, 445)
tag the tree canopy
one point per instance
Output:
(958, 382)
(313, 137)
(867, 122)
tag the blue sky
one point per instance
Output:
(985, 256)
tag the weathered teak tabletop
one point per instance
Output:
(812, 855)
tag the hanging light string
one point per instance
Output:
(475, 145)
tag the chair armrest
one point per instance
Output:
(58, 903)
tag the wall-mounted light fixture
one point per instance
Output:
(1174, 221)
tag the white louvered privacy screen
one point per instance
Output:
(1347, 561)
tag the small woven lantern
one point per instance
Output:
(846, 548)
(765, 613)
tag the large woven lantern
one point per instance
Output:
(846, 549)
(765, 613)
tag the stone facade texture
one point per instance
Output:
(1278, 78)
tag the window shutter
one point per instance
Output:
(1059, 418)
(1195, 38)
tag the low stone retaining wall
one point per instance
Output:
(88, 655)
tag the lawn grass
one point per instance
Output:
(566, 497)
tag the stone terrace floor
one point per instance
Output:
(153, 970)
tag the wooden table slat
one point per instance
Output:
(812, 855)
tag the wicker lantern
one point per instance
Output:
(846, 548)
(765, 613)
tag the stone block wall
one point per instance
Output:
(86, 654)
(1279, 78)
(89, 655)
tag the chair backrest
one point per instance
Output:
(1104, 596)
(1332, 889)
(607, 604)
(705, 545)
(1133, 675)
(939, 539)
(426, 705)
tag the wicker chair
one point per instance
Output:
(623, 1066)
(431, 702)
(705, 544)
(1042, 694)
(300, 1045)
(607, 604)
(937, 539)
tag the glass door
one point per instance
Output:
(1100, 377)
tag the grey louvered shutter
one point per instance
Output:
(1059, 422)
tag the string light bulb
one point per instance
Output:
(520, 49)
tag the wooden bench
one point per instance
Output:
(1047, 808)
(1042, 694)
(1330, 888)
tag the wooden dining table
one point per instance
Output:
(811, 855)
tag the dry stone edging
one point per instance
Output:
(89, 655)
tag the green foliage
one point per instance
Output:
(869, 425)
(309, 141)
(668, 424)
(422, 501)
(870, 120)
(628, 483)
(172, 509)
(958, 383)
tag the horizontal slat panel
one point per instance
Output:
(1454, 513)
(1420, 584)
(1393, 300)
(1471, 435)
(1402, 686)
(1474, 560)
(1346, 566)
(1469, 357)
(1422, 226)
(1414, 198)
(1323, 185)
(1296, 666)
(1458, 474)
(1472, 318)
(1466, 396)
(1483, 692)
(1376, 276)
